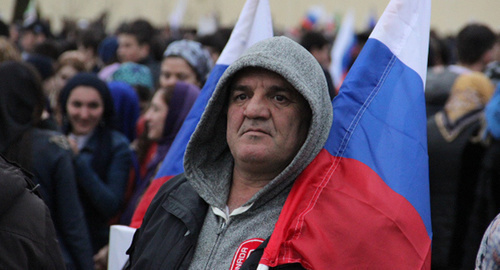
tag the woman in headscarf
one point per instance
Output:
(163, 119)
(127, 108)
(47, 155)
(455, 154)
(102, 155)
(187, 61)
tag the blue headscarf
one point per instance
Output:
(127, 108)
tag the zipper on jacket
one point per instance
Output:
(221, 227)
(215, 247)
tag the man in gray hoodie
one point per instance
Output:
(268, 118)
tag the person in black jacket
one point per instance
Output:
(28, 237)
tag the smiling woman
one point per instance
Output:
(102, 155)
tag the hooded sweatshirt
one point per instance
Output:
(208, 162)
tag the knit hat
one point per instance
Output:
(194, 53)
(134, 74)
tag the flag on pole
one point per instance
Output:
(363, 203)
(372, 19)
(344, 43)
(177, 15)
(253, 25)
(30, 13)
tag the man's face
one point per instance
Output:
(267, 121)
(129, 49)
(28, 41)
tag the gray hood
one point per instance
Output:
(208, 162)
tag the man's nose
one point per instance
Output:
(257, 107)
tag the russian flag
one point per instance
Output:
(363, 203)
(342, 48)
(254, 24)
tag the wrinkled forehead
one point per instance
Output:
(246, 75)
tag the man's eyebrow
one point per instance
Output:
(282, 88)
(239, 87)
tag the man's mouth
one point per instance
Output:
(255, 131)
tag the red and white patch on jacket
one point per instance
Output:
(245, 249)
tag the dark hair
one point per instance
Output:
(217, 41)
(91, 38)
(49, 48)
(313, 40)
(22, 100)
(439, 52)
(143, 92)
(4, 29)
(473, 41)
(141, 29)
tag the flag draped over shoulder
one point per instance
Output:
(363, 203)
(253, 25)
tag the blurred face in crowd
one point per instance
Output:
(156, 115)
(62, 76)
(322, 55)
(129, 49)
(85, 108)
(28, 41)
(267, 120)
(174, 69)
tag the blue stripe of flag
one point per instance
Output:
(173, 162)
(381, 122)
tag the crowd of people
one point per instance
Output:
(92, 114)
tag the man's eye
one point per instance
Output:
(279, 98)
(240, 97)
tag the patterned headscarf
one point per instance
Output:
(469, 95)
(134, 74)
(194, 53)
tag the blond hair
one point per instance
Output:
(8, 52)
